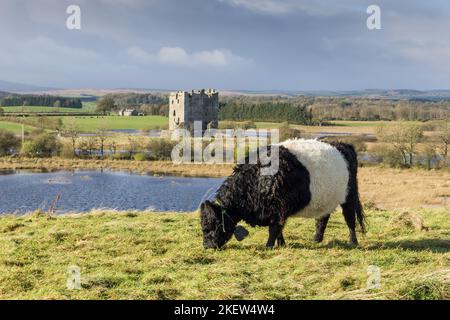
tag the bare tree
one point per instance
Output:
(133, 146)
(444, 140)
(72, 130)
(102, 137)
(113, 147)
(429, 152)
(403, 138)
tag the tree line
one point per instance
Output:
(378, 109)
(40, 100)
(295, 109)
(148, 104)
(324, 109)
(123, 100)
(266, 111)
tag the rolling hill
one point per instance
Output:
(20, 87)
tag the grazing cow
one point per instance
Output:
(313, 178)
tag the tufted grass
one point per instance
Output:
(143, 255)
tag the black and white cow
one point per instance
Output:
(313, 179)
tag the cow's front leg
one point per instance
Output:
(275, 230)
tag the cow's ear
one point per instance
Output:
(240, 233)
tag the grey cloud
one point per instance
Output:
(235, 44)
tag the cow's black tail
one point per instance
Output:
(360, 215)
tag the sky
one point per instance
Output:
(227, 44)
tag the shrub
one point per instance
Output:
(88, 146)
(389, 156)
(9, 143)
(42, 144)
(139, 157)
(358, 141)
(120, 156)
(286, 132)
(160, 149)
(67, 151)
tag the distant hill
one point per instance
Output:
(20, 87)
(3, 94)
(394, 94)
(90, 93)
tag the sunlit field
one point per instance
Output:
(144, 255)
(87, 107)
(14, 127)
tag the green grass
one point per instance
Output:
(87, 107)
(134, 255)
(92, 123)
(14, 127)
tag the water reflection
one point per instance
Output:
(25, 191)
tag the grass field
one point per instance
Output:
(14, 127)
(361, 123)
(133, 255)
(263, 125)
(91, 123)
(87, 107)
(353, 127)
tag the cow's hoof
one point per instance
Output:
(317, 239)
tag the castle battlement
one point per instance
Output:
(197, 105)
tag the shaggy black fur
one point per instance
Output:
(269, 200)
(257, 199)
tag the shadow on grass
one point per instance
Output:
(433, 245)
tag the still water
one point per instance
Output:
(81, 191)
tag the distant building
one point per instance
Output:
(128, 112)
(187, 107)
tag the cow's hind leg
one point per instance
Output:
(321, 225)
(275, 232)
(280, 240)
(349, 213)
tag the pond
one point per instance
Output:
(82, 191)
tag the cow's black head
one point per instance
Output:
(218, 226)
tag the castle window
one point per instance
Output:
(174, 113)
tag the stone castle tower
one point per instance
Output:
(187, 107)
